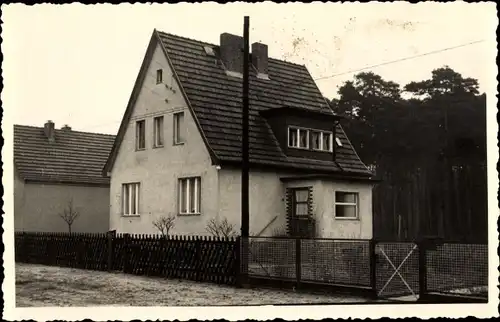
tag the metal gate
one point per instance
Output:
(397, 269)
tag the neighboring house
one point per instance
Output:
(178, 149)
(53, 168)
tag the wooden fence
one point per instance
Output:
(186, 257)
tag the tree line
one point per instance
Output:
(426, 140)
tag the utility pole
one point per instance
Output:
(245, 213)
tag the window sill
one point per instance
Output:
(178, 143)
(137, 150)
(158, 146)
(297, 148)
(319, 150)
(347, 218)
(130, 216)
(189, 215)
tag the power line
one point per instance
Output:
(401, 59)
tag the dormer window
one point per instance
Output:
(298, 138)
(321, 141)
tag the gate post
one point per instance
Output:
(243, 255)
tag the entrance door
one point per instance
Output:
(300, 216)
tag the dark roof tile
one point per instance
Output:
(216, 101)
(74, 157)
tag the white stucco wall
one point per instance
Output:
(267, 200)
(158, 169)
(331, 227)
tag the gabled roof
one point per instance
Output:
(74, 157)
(216, 99)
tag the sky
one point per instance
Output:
(76, 64)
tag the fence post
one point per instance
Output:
(298, 262)
(243, 264)
(373, 266)
(422, 270)
(126, 253)
(111, 236)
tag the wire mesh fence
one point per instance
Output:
(458, 268)
(272, 257)
(311, 260)
(335, 261)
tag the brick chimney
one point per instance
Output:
(231, 52)
(260, 58)
(49, 131)
(66, 127)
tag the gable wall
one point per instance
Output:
(158, 169)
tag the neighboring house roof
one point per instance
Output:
(216, 102)
(74, 157)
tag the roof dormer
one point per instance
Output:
(303, 132)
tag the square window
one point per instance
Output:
(158, 131)
(346, 205)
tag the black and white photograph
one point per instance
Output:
(250, 161)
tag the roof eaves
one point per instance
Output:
(353, 178)
(69, 182)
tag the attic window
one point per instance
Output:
(321, 141)
(159, 76)
(298, 138)
(338, 141)
(209, 51)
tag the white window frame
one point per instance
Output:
(177, 141)
(356, 204)
(138, 134)
(321, 147)
(298, 129)
(128, 187)
(189, 195)
(158, 131)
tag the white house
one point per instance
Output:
(178, 149)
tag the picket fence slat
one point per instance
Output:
(195, 258)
